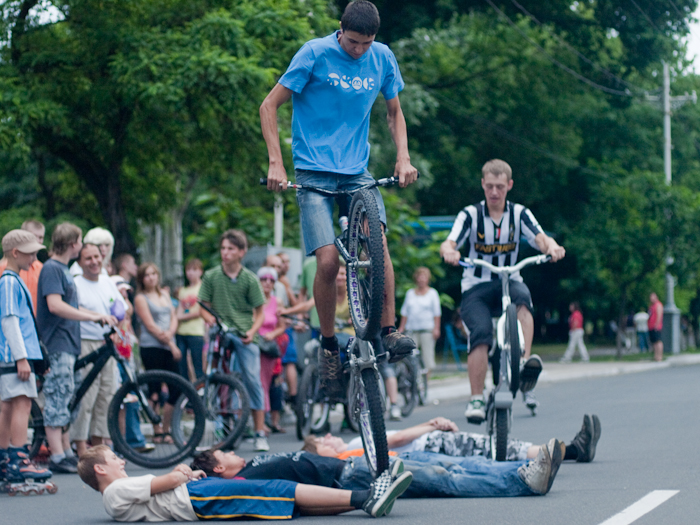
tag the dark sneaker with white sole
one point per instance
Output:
(587, 438)
(530, 372)
(330, 369)
(65, 466)
(384, 491)
(398, 346)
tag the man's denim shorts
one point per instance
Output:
(316, 211)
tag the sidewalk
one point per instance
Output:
(457, 386)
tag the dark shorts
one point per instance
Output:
(482, 302)
(654, 336)
(226, 499)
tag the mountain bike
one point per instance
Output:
(135, 392)
(223, 393)
(507, 349)
(360, 245)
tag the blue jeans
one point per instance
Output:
(195, 344)
(248, 364)
(440, 476)
(643, 341)
(134, 436)
(316, 210)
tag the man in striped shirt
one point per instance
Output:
(492, 230)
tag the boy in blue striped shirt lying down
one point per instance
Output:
(187, 495)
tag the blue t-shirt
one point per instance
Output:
(59, 334)
(15, 300)
(333, 97)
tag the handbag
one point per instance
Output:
(269, 348)
(40, 366)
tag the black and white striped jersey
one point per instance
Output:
(497, 244)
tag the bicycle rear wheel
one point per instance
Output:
(501, 433)
(227, 408)
(365, 272)
(131, 415)
(312, 416)
(371, 421)
(36, 433)
(513, 339)
(407, 382)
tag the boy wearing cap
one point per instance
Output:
(19, 343)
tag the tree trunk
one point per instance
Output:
(162, 244)
(621, 326)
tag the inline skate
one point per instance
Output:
(19, 476)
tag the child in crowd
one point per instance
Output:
(19, 344)
(187, 495)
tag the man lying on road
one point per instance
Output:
(442, 436)
(434, 475)
(188, 495)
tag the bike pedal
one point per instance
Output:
(475, 420)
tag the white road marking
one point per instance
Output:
(641, 507)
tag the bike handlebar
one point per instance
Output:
(535, 259)
(218, 320)
(387, 181)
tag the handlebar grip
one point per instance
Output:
(263, 182)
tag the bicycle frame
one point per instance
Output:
(100, 357)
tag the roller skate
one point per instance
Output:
(19, 476)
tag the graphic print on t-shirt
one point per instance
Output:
(345, 82)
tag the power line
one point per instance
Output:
(651, 22)
(574, 50)
(556, 62)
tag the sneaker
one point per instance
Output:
(536, 473)
(384, 491)
(63, 467)
(330, 370)
(531, 402)
(73, 460)
(530, 372)
(398, 346)
(260, 444)
(554, 447)
(587, 438)
(145, 449)
(476, 410)
(395, 413)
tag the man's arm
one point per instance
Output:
(258, 319)
(449, 252)
(549, 246)
(404, 437)
(180, 474)
(405, 172)
(276, 174)
(57, 306)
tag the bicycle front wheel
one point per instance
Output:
(513, 339)
(226, 405)
(371, 422)
(501, 433)
(135, 418)
(365, 272)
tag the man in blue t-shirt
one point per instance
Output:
(333, 83)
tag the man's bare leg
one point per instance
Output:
(315, 500)
(324, 287)
(478, 366)
(389, 307)
(528, 325)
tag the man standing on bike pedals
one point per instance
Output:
(492, 229)
(333, 82)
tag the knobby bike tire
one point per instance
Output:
(165, 454)
(227, 407)
(365, 285)
(372, 428)
(513, 339)
(307, 401)
(501, 433)
(407, 382)
(36, 425)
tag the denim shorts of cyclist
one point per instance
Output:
(317, 211)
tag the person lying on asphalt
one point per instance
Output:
(189, 495)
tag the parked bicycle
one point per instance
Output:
(508, 347)
(223, 393)
(360, 245)
(144, 393)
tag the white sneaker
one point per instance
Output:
(476, 410)
(395, 413)
(260, 444)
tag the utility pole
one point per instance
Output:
(671, 332)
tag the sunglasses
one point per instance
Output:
(271, 279)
